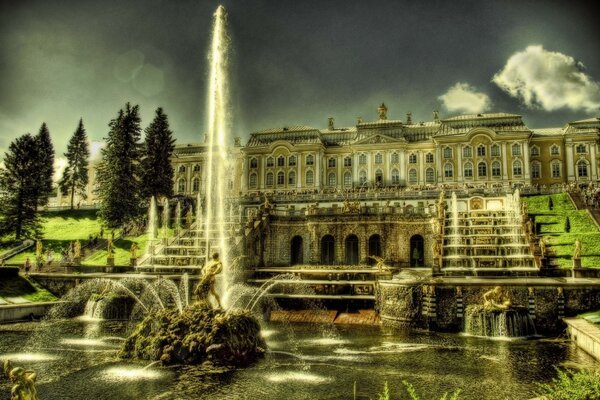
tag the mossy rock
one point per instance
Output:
(196, 335)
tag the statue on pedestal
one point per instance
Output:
(133, 251)
(77, 250)
(542, 245)
(577, 253)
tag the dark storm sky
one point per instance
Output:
(293, 62)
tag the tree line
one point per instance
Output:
(129, 173)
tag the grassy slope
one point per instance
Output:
(121, 249)
(22, 286)
(552, 223)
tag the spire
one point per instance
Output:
(382, 110)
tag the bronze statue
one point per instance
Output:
(206, 286)
(542, 245)
(109, 247)
(77, 249)
(496, 299)
(577, 253)
(23, 382)
(133, 250)
(38, 247)
(380, 262)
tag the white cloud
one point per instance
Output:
(548, 80)
(463, 97)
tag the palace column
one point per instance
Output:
(299, 158)
(569, 161)
(403, 167)
(504, 163)
(526, 158)
(593, 161)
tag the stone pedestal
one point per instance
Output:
(133, 262)
(110, 261)
(576, 263)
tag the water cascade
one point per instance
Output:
(177, 226)
(151, 226)
(499, 323)
(165, 220)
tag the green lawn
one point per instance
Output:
(121, 249)
(552, 224)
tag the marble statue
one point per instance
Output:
(206, 286)
(496, 299)
(577, 253)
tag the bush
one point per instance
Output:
(572, 385)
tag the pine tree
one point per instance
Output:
(550, 203)
(118, 177)
(157, 171)
(567, 227)
(75, 176)
(20, 189)
(45, 162)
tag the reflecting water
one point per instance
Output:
(78, 359)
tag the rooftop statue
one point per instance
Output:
(382, 110)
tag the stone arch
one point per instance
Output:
(296, 250)
(417, 254)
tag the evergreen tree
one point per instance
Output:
(118, 177)
(567, 225)
(157, 171)
(550, 203)
(45, 162)
(20, 189)
(75, 176)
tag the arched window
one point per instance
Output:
(181, 185)
(195, 185)
(327, 250)
(280, 178)
(270, 162)
(555, 169)
(554, 150)
(375, 247)
(395, 177)
(362, 177)
(310, 159)
(417, 251)
(347, 179)
(347, 161)
(517, 168)
(182, 169)
(310, 180)
(447, 152)
(362, 159)
(412, 176)
(429, 175)
(496, 169)
(468, 170)
(197, 168)
(448, 170)
(581, 149)
(253, 181)
(467, 151)
(481, 150)
(269, 180)
(536, 170)
(296, 251)
(429, 158)
(534, 151)
(482, 170)
(292, 161)
(395, 158)
(292, 178)
(331, 162)
(379, 177)
(331, 179)
(495, 150)
(378, 158)
(412, 158)
(516, 149)
(352, 252)
(582, 168)
(281, 161)
(253, 163)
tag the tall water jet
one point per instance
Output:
(151, 225)
(218, 136)
(177, 226)
(165, 219)
(198, 218)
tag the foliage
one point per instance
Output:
(44, 158)
(118, 179)
(572, 385)
(567, 227)
(20, 189)
(157, 171)
(75, 176)
(412, 393)
(550, 203)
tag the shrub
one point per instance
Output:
(572, 385)
(567, 225)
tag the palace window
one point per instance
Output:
(269, 180)
(197, 168)
(581, 149)
(347, 179)
(395, 177)
(516, 149)
(331, 179)
(378, 177)
(467, 151)
(412, 158)
(395, 158)
(495, 150)
(378, 158)
(429, 175)
(517, 168)
(535, 170)
(534, 151)
(292, 161)
(280, 178)
(482, 170)
(292, 178)
(310, 159)
(468, 170)
(181, 185)
(447, 152)
(182, 169)
(362, 177)
(270, 162)
(331, 162)
(281, 161)
(555, 169)
(481, 150)
(554, 150)
(310, 178)
(253, 163)
(362, 159)
(347, 161)
(582, 168)
(195, 185)
(429, 158)
(448, 170)
(412, 176)
(496, 170)
(252, 181)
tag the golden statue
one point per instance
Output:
(206, 286)
(436, 249)
(496, 299)
(23, 382)
(109, 247)
(380, 262)
(39, 248)
(382, 111)
(577, 253)
(133, 250)
(77, 249)
(542, 245)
